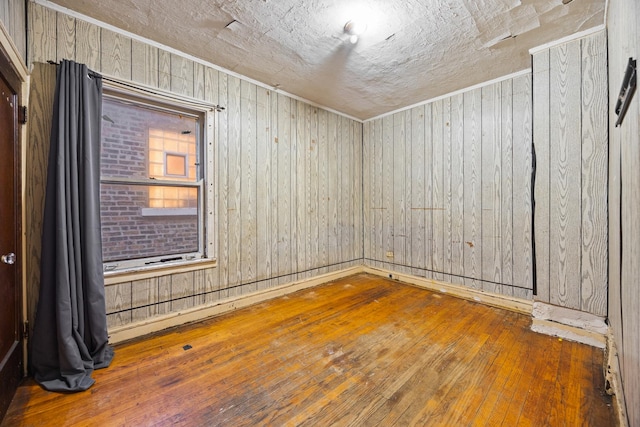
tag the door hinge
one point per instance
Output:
(22, 114)
(25, 330)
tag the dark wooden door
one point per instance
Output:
(10, 288)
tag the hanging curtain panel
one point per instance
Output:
(70, 333)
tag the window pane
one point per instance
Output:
(136, 139)
(132, 229)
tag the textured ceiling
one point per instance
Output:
(413, 50)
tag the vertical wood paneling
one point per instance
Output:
(522, 166)
(118, 304)
(293, 179)
(448, 194)
(88, 45)
(248, 183)
(358, 193)
(182, 291)
(418, 212)
(594, 163)
(314, 186)
(378, 193)
(332, 189)
(399, 185)
(438, 191)
(387, 186)
(144, 297)
(164, 70)
(283, 216)
(367, 193)
(302, 202)
(211, 85)
(457, 188)
(43, 82)
(66, 38)
(263, 185)
(198, 81)
(541, 133)
(43, 33)
(223, 188)
(116, 54)
(491, 195)
(565, 156)
(472, 188)
(181, 75)
(507, 186)
(144, 66)
(234, 226)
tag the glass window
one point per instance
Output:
(152, 183)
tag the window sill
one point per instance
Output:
(152, 271)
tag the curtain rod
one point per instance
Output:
(152, 91)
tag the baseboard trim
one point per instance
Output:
(160, 323)
(495, 300)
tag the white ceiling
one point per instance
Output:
(413, 50)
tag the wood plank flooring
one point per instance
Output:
(359, 351)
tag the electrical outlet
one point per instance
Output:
(389, 254)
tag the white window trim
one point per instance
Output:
(208, 203)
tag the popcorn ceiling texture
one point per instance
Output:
(413, 50)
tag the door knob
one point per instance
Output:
(9, 258)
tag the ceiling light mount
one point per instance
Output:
(354, 29)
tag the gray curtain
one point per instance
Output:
(70, 333)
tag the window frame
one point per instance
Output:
(207, 201)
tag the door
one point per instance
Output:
(10, 287)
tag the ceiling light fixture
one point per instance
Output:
(354, 29)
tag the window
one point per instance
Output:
(154, 191)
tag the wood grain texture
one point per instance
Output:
(507, 186)
(234, 227)
(116, 54)
(378, 193)
(399, 187)
(387, 187)
(337, 355)
(437, 191)
(263, 185)
(164, 70)
(457, 188)
(448, 188)
(594, 165)
(566, 158)
(42, 33)
(420, 218)
(248, 184)
(181, 75)
(472, 236)
(88, 45)
(43, 82)
(65, 38)
(522, 167)
(541, 135)
(491, 195)
(144, 63)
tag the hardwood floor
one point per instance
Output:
(359, 351)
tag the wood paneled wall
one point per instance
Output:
(13, 15)
(447, 189)
(289, 180)
(570, 137)
(624, 203)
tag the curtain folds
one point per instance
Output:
(70, 333)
